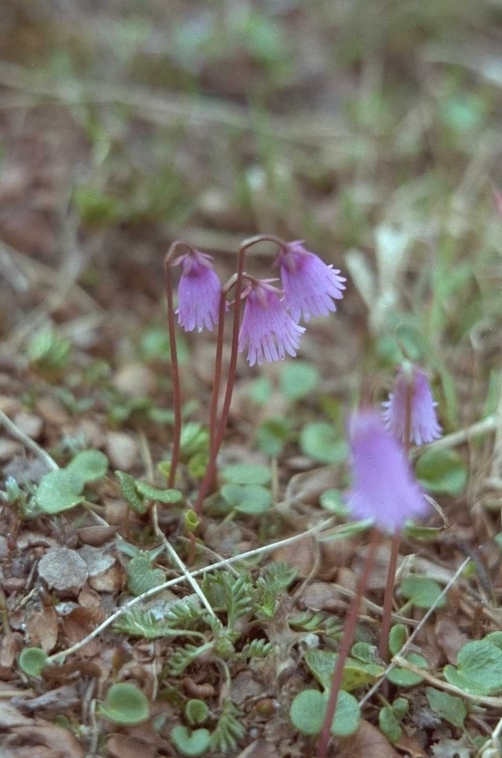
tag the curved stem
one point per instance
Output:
(175, 374)
(218, 366)
(217, 439)
(347, 640)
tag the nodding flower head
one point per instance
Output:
(412, 397)
(384, 488)
(266, 328)
(198, 292)
(310, 286)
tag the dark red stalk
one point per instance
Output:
(349, 630)
(175, 374)
(383, 648)
(217, 438)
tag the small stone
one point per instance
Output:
(9, 405)
(8, 449)
(104, 573)
(122, 450)
(29, 424)
(135, 379)
(63, 569)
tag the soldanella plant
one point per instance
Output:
(268, 330)
(268, 320)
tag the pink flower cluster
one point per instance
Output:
(270, 323)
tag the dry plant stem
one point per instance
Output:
(225, 563)
(179, 563)
(175, 374)
(14, 431)
(493, 702)
(349, 630)
(367, 697)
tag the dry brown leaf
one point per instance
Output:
(51, 736)
(259, 749)
(124, 746)
(42, 628)
(10, 645)
(307, 486)
(11, 716)
(368, 741)
(322, 596)
(450, 637)
(56, 700)
(409, 745)
(301, 555)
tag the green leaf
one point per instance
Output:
(422, 532)
(389, 725)
(495, 638)
(246, 473)
(397, 638)
(405, 678)
(344, 531)
(252, 499)
(189, 743)
(356, 673)
(89, 465)
(162, 496)
(32, 660)
(196, 712)
(321, 442)
(333, 501)
(273, 434)
(442, 471)
(448, 707)
(128, 488)
(479, 669)
(298, 379)
(422, 591)
(125, 704)
(141, 577)
(308, 708)
(58, 491)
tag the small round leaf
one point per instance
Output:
(32, 660)
(191, 744)
(125, 704)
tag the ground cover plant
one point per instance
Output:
(250, 379)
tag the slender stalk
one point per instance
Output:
(383, 648)
(218, 366)
(175, 374)
(217, 439)
(347, 640)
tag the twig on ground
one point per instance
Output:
(16, 432)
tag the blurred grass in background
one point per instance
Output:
(372, 129)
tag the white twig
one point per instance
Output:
(412, 636)
(173, 582)
(14, 431)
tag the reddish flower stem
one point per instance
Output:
(218, 437)
(383, 648)
(347, 640)
(218, 365)
(175, 374)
